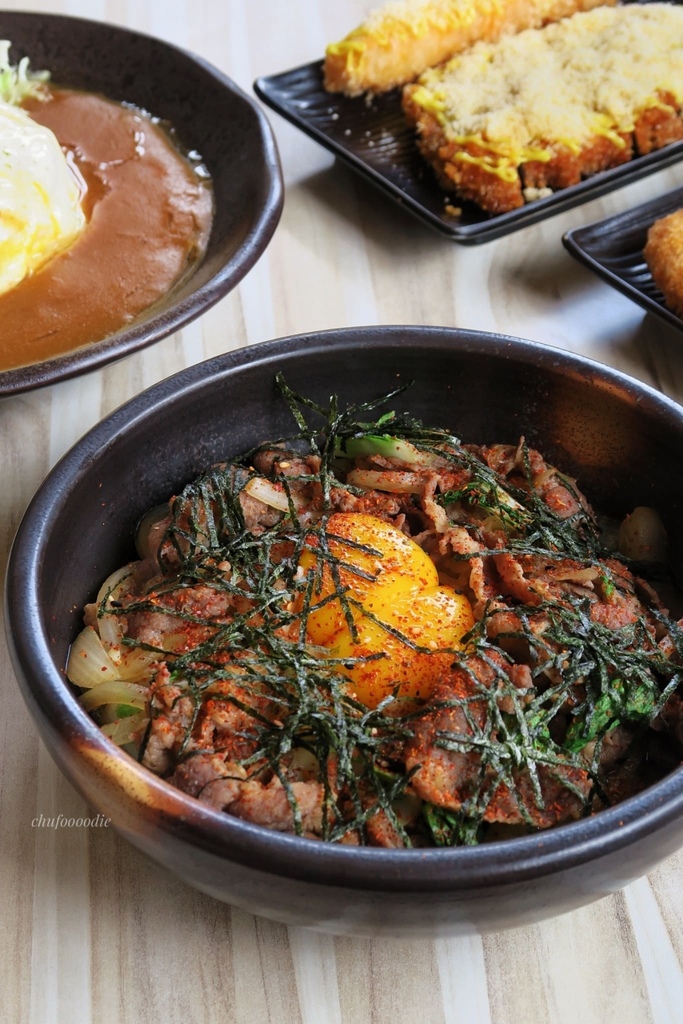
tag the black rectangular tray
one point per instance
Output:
(613, 249)
(375, 139)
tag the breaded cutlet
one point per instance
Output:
(403, 38)
(547, 107)
(664, 256)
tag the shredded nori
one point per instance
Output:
(606, 676)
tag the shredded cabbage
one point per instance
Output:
(17, 82)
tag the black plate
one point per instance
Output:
(376, 140)
(210, 114)
(613, 249)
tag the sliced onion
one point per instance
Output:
(112, 630)
(270, 493)
(392, 480)
(642, 536)
(174, 642)
(578, 575)
(113, 585)
(392, 448)
(111, 627)
(123, 730)
(114, 692)
(137, 666)
(89, 663)
(407, 452)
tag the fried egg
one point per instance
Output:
(406, 625)
(40, 211)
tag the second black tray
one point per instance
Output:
(613, 249)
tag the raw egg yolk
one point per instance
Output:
(393, 596)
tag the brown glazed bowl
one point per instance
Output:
(621, 438)
(209, 114)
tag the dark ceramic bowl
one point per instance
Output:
(621, 438)
(210, 114)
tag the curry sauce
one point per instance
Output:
(149, 217)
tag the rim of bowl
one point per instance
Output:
(495, 863)
(154, 328)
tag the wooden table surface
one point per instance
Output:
(90, 930)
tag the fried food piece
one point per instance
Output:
(664, 256)
(403, 38)
(545, 108)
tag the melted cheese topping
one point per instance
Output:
(591, 74)
(401, 21)
(404, 19)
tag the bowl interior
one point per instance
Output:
(209, 114)
(618, 438)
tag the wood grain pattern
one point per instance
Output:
(92, 932)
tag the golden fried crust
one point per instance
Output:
(514, 120)
(404, 38)
(568, 168)
(654, 128)
(659, 126)
(664, 256)
(454, 168)
(455, 171)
